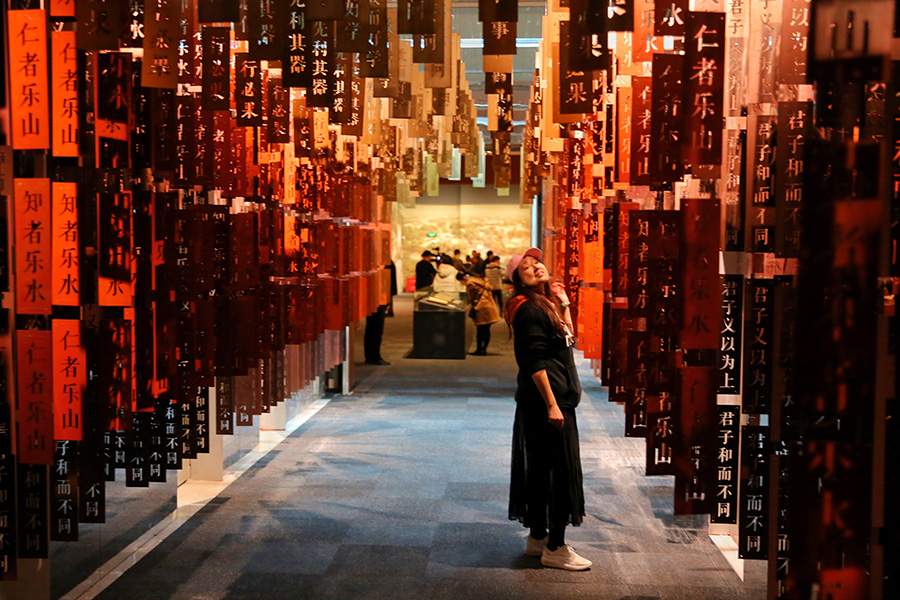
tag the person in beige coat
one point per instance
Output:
(484, 310)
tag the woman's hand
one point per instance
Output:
(559, 290)
(556, 417)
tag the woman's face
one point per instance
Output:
(532, 272)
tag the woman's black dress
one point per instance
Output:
(537, 445)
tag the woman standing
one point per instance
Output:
(486, 314)
(546, 490)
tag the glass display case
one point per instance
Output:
(439, 325)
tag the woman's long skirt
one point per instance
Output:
(546, 484)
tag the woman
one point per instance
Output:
(485, 310)
(546, 491)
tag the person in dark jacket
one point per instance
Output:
(425, 271)
(375, 325)
(458, 261)
(393, 269)
(478, 264)
(546, 485)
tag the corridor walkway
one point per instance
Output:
(399, 491)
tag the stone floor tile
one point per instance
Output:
(392, 532)
(368, 560)
(301, 557)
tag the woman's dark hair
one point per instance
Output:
(543, 298)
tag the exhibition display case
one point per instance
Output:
(439, 325)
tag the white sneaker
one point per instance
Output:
(564, 557)
(535, 547)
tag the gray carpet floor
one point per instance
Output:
(399, 491)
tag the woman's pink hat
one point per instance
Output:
(517, 259)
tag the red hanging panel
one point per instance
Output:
(28, 84)
(32, 210)
(65, 285)
(69, 380)
(34, 387)
(64, 84)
